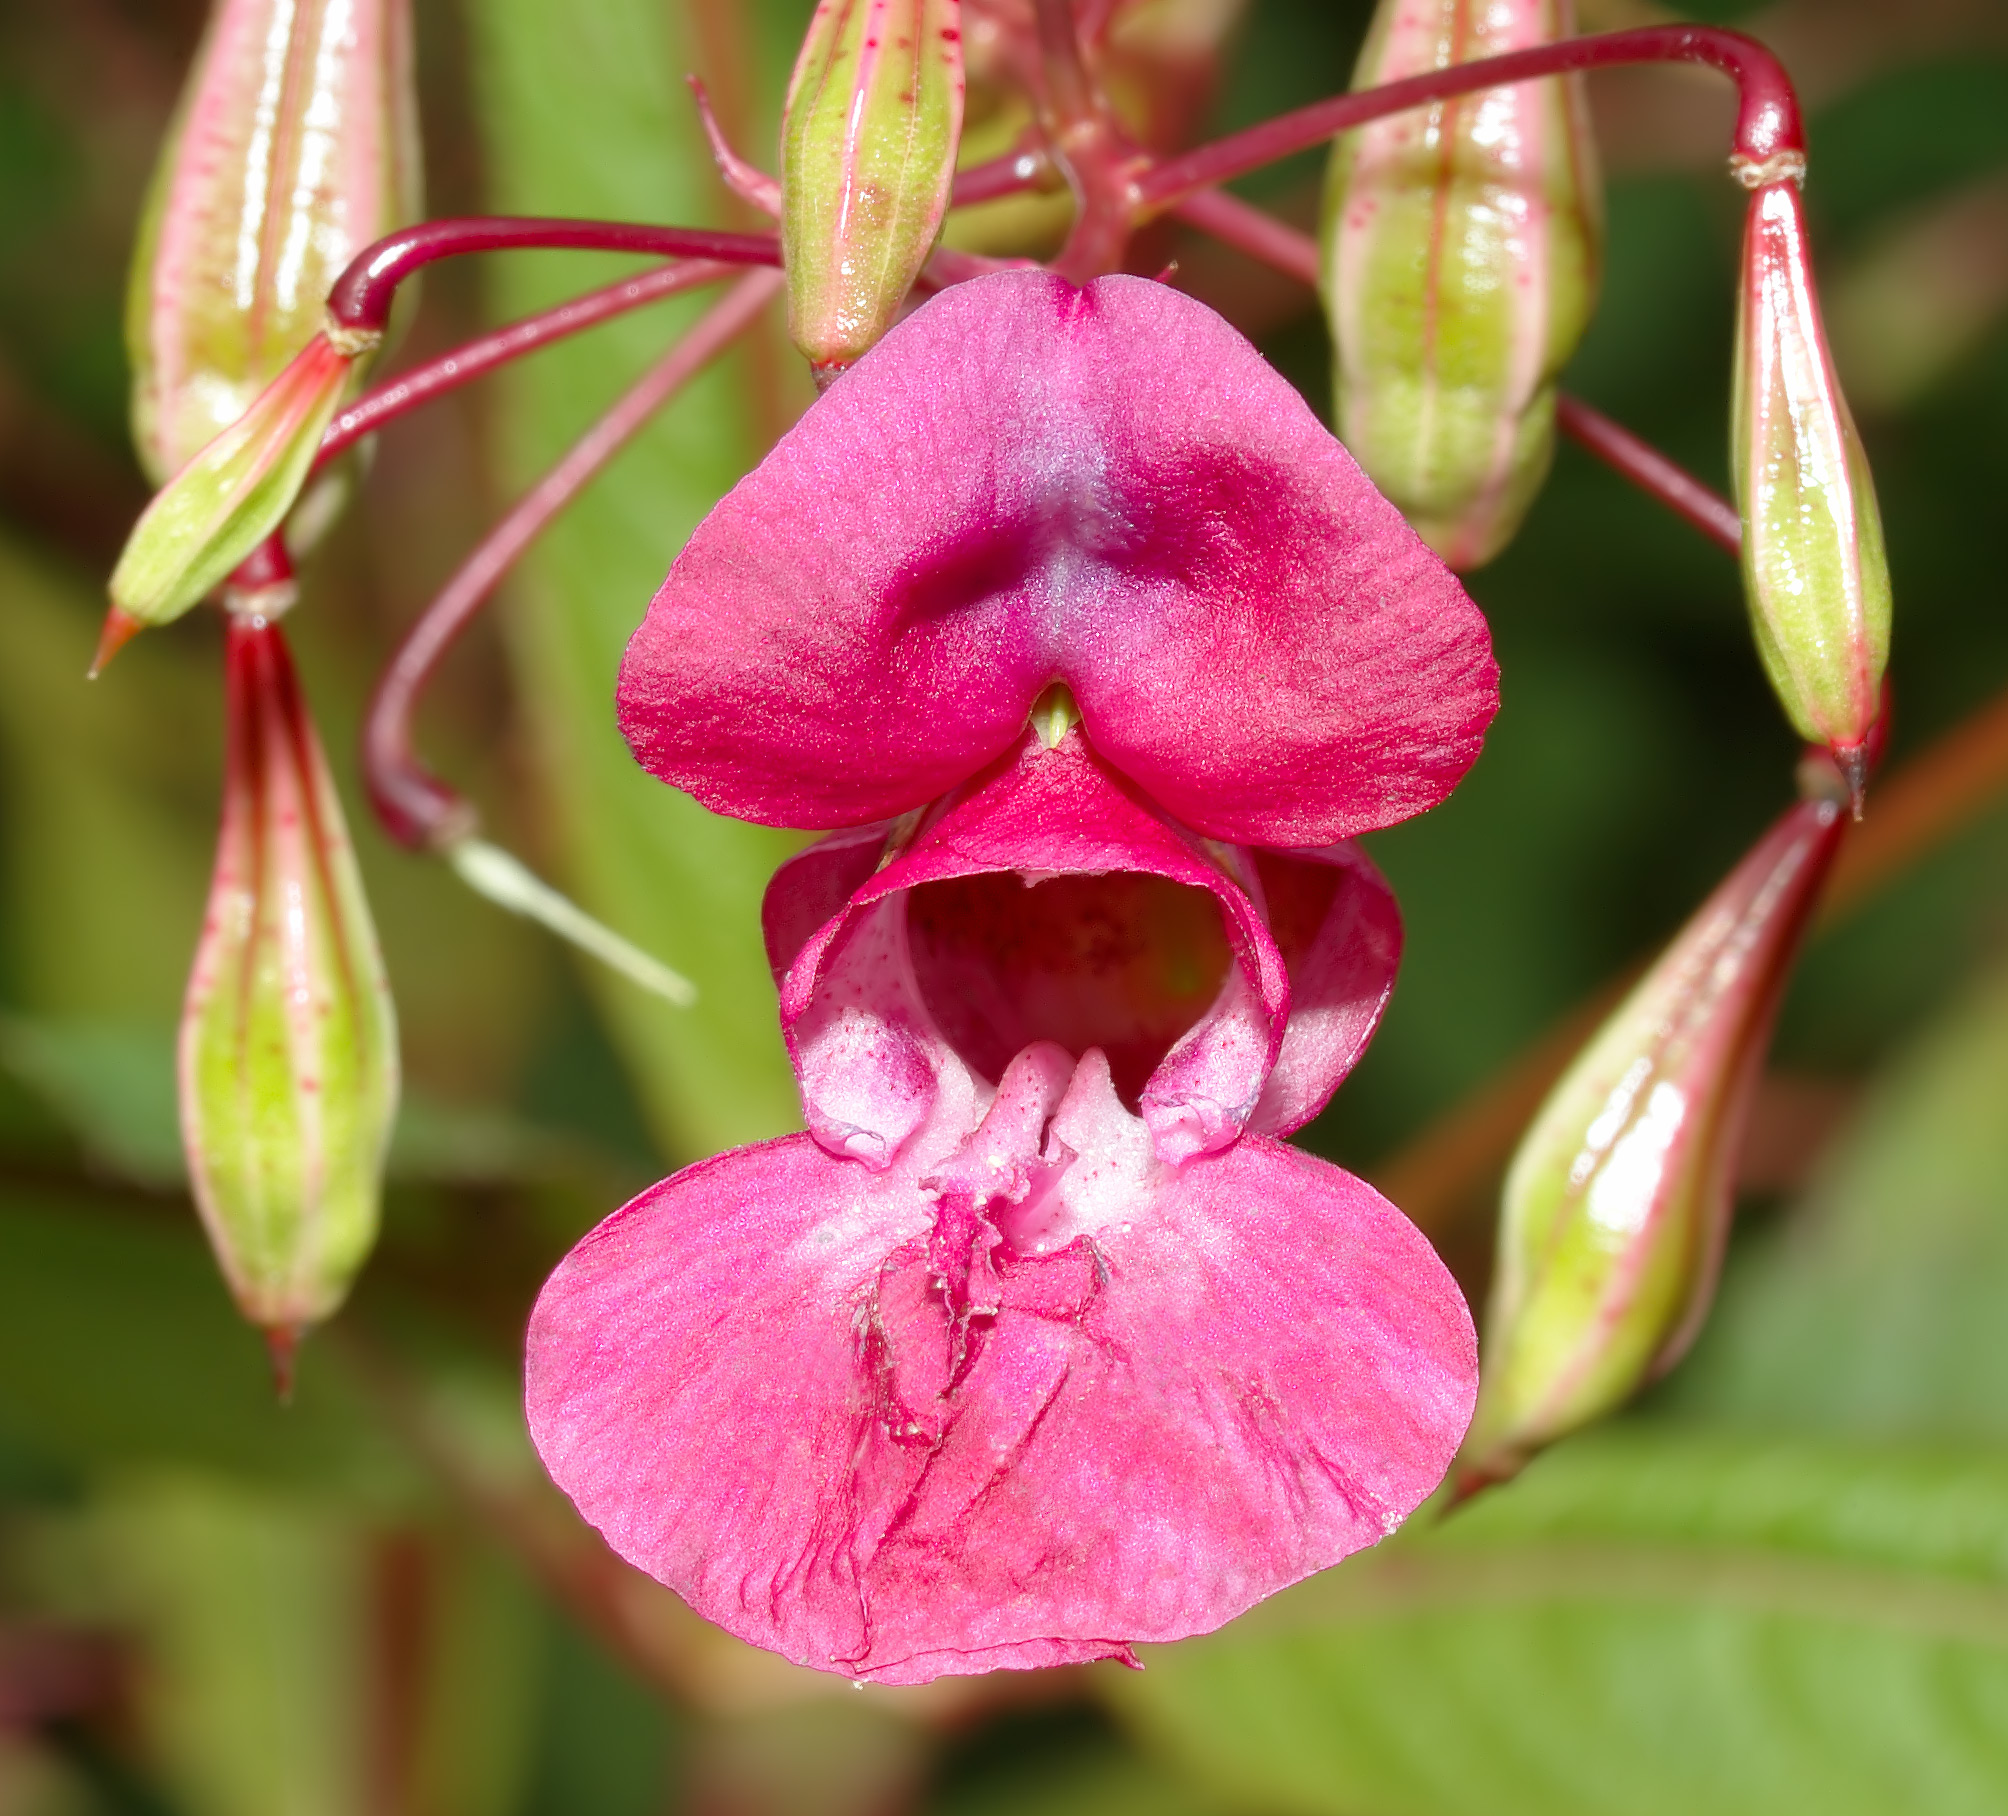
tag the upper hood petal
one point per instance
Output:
(1024, 483)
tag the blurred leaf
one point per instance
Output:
(119, 1346)
(110, 803)
(1907, 133)
(1646, 1623)
(680, 882)
(252, 1616)
(299, 1661)
(607, 1744)
(1909, 309)
(112, 1083)
(1882, 1308)
(1059, 1765)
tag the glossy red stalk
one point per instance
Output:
(414, 806)
(362, 296)
(1768, 124)
(462, 365)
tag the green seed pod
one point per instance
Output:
(295, 145)
(1461, 250)
(1618, 1201)
(232, 495)
(868, 146)
(1814, 570)
(288, 1052)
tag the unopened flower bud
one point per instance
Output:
(294, 147)
(1462, 248)
(868, 146)
(288, 1051)
(1813, 563)
(234, 493)
(1618, 1201)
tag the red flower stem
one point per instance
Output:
(1234, 223)
(408, 390)
(1009, 175)
(1767, 124)
(362, 295)
(416, 808)
(1650, 470)
(1262, 237)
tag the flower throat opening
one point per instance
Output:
(1125, 962)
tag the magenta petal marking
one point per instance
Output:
(851, 1009)
(1024, 483)
(1335, 920)
(1204, 1384)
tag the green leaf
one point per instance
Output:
(110, 803)
(585, 113)
(301, 1661)
(1647, 1623)
(119, 1347)
(111, 1083)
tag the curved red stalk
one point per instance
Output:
(415, 807)
(461, 365)
(1767, 125)
(362, 296)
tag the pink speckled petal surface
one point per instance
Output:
(1159, 1395)
(1023, 483)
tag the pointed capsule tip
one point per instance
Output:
(120, 628)
(282, 1344)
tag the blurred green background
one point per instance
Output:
(1781, 1585)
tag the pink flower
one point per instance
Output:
(1040, 1342)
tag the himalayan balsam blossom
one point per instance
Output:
(1461, 253)
(1040, 1342)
